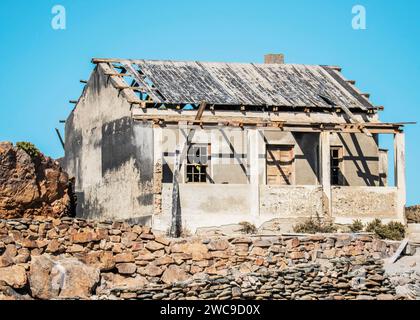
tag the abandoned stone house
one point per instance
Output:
(238, 142)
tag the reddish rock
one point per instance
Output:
(297, 255)
(27, 243)
(164, 260)
(75, 248)
(53, 246)
(174, 274)
(145, 255)
(113, 281)
(14, 276)
(115, 239)
(218, 245)
(42, 243)
(31, 186)
(197, 250)
(262, 243)
(137, 229)
(124, 257)
(147, 236)
(83, 237)
(258, 251)
(242, 240)
(220, 254)
(292, 243)
(126, 268)
(107, 261)
(151, 271)
(137, 246)
(127, 238)
(154, 246)
(6, 260)
(162, 240)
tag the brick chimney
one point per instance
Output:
(274, 58)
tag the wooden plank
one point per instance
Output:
(117, 74)
(400, 249)
(355, 120)
(351, 127)
(60, 138)
(118, 82)
(105, 60)
(133, 72)
(200, 110)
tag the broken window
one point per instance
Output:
(336, 158)
(197, 162)
(280, 160)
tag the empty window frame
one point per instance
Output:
(197, 162)
(336, 163)
(280, 164)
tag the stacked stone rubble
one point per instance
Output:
(40, 258)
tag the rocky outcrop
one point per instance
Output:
(413, 214)
(31, 185)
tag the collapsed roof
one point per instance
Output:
(240, 84)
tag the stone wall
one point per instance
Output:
(73, 258)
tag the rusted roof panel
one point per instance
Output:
(291, 85)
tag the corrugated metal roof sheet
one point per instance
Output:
(291, 85)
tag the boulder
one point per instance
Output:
(13, 276)
(32, 185)
(52, 278)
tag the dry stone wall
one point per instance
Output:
(68, 258)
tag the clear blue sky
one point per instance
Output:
(42, 67)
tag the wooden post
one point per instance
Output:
(180, 155)
(399, 173)
(176, 226)
(324, 147)
(60, 138)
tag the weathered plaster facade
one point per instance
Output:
(122, 153)
(110, 155)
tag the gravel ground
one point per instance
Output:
(405, 276)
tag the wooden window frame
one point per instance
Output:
(192, 167)
(292, 180)
(340, 166)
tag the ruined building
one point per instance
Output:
(238, 142)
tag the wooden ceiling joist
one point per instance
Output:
(283, 125)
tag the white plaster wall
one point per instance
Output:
(364, 203)
(290, 201)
